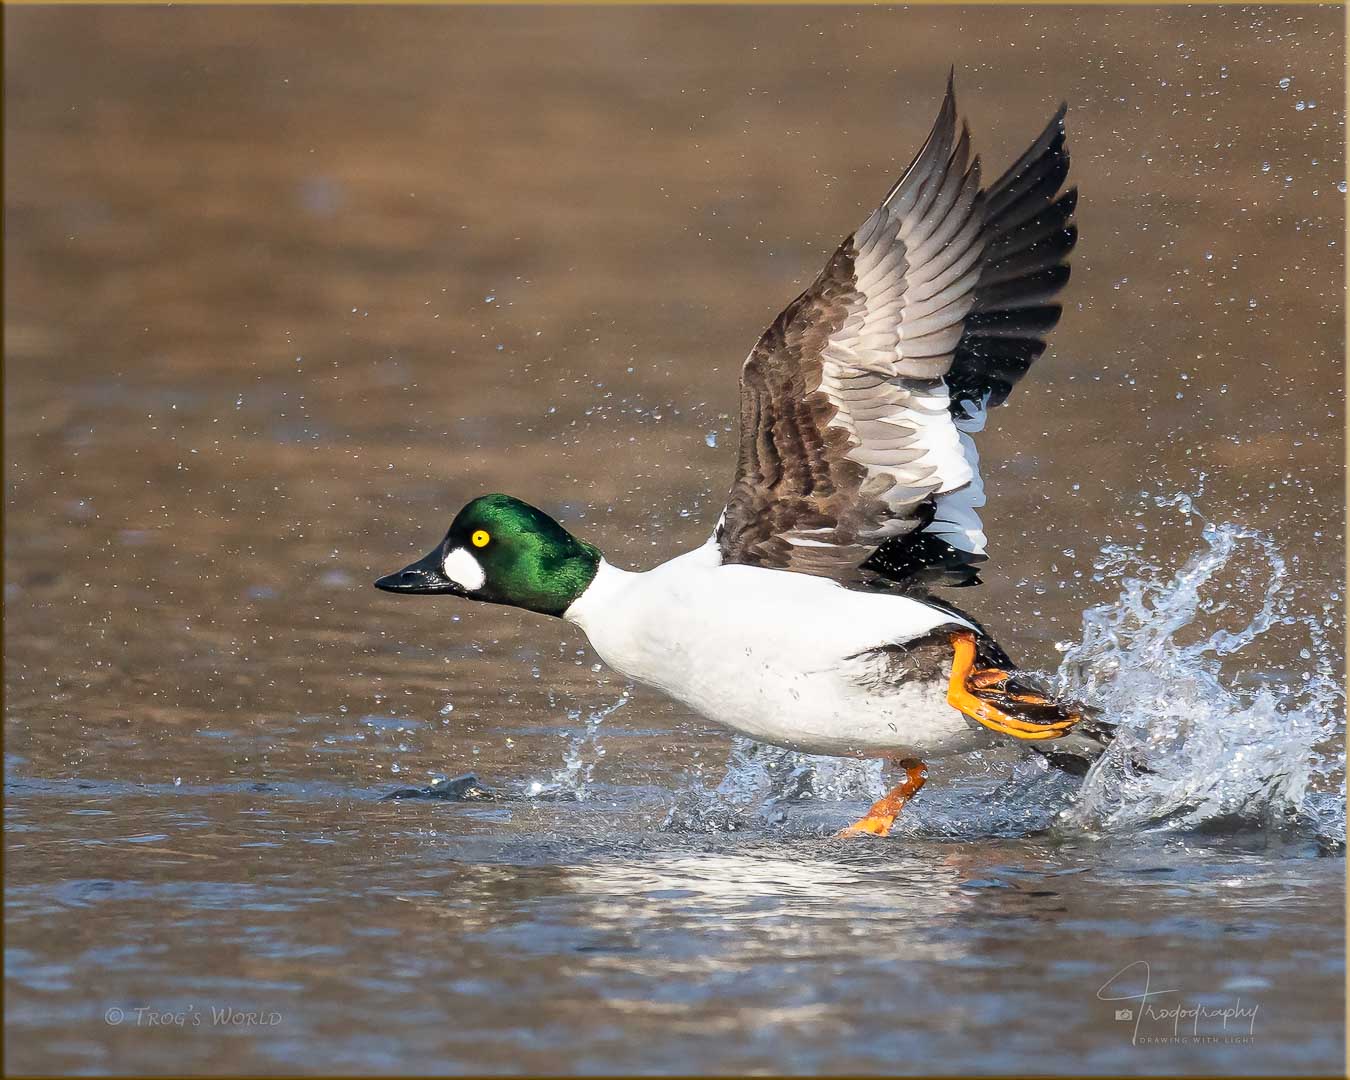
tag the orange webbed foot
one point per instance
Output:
(991, 683)
(882, 814)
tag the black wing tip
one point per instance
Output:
(947, 111)
(921, 560)
(1055, 127)
(944, 128)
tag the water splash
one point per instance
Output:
(763, 786)
(1210, 736)
(584, 751)
(761, 782)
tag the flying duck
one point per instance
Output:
(806, 620)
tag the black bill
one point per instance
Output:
(426, 575)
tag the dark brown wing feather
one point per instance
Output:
(793, 477)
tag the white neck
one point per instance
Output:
(608, 583)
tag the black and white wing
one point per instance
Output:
(858, 404)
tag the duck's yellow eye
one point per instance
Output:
(480, 538)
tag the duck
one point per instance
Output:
(810, 619)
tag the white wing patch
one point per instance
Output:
(956, 520)
(905, 438)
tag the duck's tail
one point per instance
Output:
(1083, 745)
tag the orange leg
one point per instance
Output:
(879, 819)
(964, 679)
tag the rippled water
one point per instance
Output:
(280, 297)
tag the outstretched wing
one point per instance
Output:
(858, 403)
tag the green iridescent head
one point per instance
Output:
(503, 551)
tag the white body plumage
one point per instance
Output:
(778, 656)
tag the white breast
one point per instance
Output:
(771, 654)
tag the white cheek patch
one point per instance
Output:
(464, 570)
